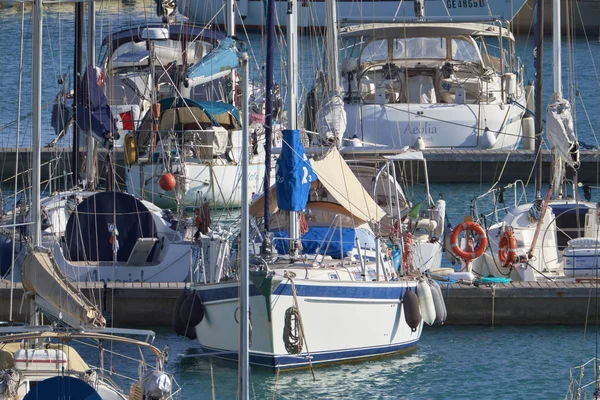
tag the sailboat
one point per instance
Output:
(556, 236)
(425, 82)
(193, 130)
(412, 227)
(322, 288)
(90, 233)
(41, 361)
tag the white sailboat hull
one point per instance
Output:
(342, 321)
(438, 125)
(219, 184)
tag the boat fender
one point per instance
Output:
(412, 315)
(192, 313)
(441, 313)
(426, 302)
(130, 150)
(178, 323)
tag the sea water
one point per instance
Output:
(450, 362)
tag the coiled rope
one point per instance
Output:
(293, 329)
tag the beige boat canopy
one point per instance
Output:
(339, 180)
(424, 29)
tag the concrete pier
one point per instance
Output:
(445, 166)
(135, 304)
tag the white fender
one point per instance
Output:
(438, 301)
(426, 304)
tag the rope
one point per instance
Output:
(293, 329)
(493, 303)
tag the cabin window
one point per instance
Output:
(419, 47)
(377, 50)
(463, 50)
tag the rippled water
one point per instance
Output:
(476, 362)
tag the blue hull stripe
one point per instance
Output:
(282, 362)
(352, 291)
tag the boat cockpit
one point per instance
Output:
(428, 64)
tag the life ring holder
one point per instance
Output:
(478, 251)
(507, 247)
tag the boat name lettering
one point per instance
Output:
(424, 129)
(465, 3)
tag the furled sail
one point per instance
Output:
(561, 135)
(294, 173)
(93, 111)
(55, 294)
(331, 120)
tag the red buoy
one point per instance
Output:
(167, 182)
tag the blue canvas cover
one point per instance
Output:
(315, 241)
(62, 388)
(294, 173)
(223, 58)
(93, 111)
(88, 230)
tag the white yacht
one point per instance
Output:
(425, 85)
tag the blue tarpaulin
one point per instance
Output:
(62, 388)
(316, 240)
(93, 111)
(294, 173)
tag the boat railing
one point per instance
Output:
(519, 197)
(577, 386)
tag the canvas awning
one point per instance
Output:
(339, 180)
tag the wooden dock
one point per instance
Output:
(444, 166)
(135, 304)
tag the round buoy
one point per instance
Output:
(178, 323)
(412, 315)
(426, 302)
(438, 301)
(167, 182)
(191, 313)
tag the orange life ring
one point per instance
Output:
(507, 248)
(478, 251)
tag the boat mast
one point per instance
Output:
(230, 18)
(269, 111)
(243, 384)
(91, 57)
(539, 127)
(36, 121)
(556, 50)
(231, 33)
(332, 47)
(77, 86)
(292, 92)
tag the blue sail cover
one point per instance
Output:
(93, 111)
(222, 59)
(294, 173)
(62, 388)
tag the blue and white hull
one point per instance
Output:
(343, 321)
